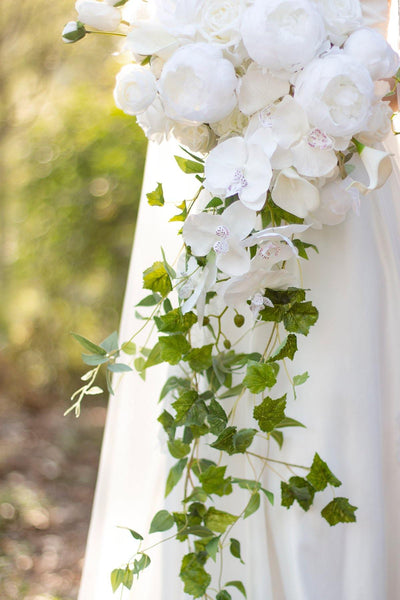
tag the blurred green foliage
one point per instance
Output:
(70, 176)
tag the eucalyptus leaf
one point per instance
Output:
(111, 343)
(94, 360)
(119, 368)
(88, 345)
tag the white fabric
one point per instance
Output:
(350, 405)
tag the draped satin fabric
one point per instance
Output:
(350, 405)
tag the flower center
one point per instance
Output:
(221, 247)
(222, 231)
(317, 139)
(239, 182)
(266, 116)
(266, 252)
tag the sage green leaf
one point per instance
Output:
(298, 489)
(247, 484)
(175, 322)
(171, 272)
(175, 475)
(278, 437)
(302, 248)
(288, 422)
(156, 198)
(178, 449)
(127, 580)
(235, 391)
(197, 495)
(212, 547)
(339, 511)
(253, 505)
(172, 347)
(154, 357)
(157, 279)
(93, 360)
(162, 521)
(213, 481)
(218, 520)
(238, 585)
(225, 440)
(119, 368)
(243, 440)
(270, 413)
(320, 475)
(200, 359)
(234, 548)
(117, 577)
(189, 166)
(174, 383)
(269, 495)
(129, 348)
(198, 530)
(141, 564)
(300, 318)
(300, 379)
(111, 343)
(88, 345)
(216, 417)
(287, 349)
(151, 300)
(135, 534)
(223, 595)
(260, 376)
(195, 578)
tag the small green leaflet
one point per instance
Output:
(339, 511)
(111, 343)
(298, 489)
(320, 475)
(253, 505)
(223, 595)
(157, 279)
(212, 547)
(121, 577)
(174, 475)
(162, 521)
(260, 376)
(302, 248)
(141, 564)
(300, 379)
(93, 360)
(238, 585)
(195, 578)
(287, 349)
(119, 368)
(219, 521)
(234, 548)
(129, 348)
(189, 166)
(88, 345)
(156, 198)
(270, 413)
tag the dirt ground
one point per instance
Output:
(48, 467)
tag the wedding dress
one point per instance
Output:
(350, 405)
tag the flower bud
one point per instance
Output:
(206, 321)
(73, 32)
(227, 344)
(238, 320)
(98, 15)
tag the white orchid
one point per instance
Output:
(295, 194)
(222, 234)
(196, 282)
(239, 167)
(276, 234)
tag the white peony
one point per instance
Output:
(341, 18)
(372, 50)
(198, 138)
(258, 88)
(283, 34)
(379, 124)
(155, 123)
(135, 89)
(198, 84)
(336, 201)
(233, 124)
(220, 21)
(180, 17)
(337, 93)
(146, 38)
(98, 15)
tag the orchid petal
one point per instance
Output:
(289, 122)
(199, 232)
(295, 194)
(259, 88)
(234, 262)
(221, 164)
(239, 220)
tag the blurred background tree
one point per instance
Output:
(70, 176)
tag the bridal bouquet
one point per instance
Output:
(279, 107)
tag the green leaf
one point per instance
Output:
(156, 198)
(198, 530)
(320, 475)
(196, 580)
(200, 466)
(93, 360)
(302, 248)
(196, 416)
(119, 368)
(219, 521)
(216, 417)
(288, 422)
(182, 216)
(243, 439)
(270, 413)
(174, 383)
(175, 475)
(189, 166)
(260, 376)
(238, 585)
(300, 318)
(88, 345)
(269, 495)
(120, 3)
(223, 595)
(298, 489)
(247, 484)
(300, 379)
(151, 300)
(178, 449)
(253, 505)
(234, 548)
(278, 437)
(172, 348)
(129, 348)
(212, 547)
(128, 578)
(117, 577)
(214, 203)
(171, 272)
(111, 343)
(339, 511)
(183, 404)
(225, 440)
(162, 521)
(157, 279)
(141, 564)
(200, 359)
(235, 391)
(154, 357)
(213, 481)
(135, 534)
(175, 322)
(287, 349)
(197, 495)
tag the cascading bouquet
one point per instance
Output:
(280, 105)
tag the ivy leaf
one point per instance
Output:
(238, 585)
(212, 547)
(269, 495)
(175, 322)
(198, 530)
(287, 349)
(298, 489)
(181, 216)
(183, 404)
(235, 549)
(213, 481)
(156, 198)
(162, 521)
(111, 343)
(216, 417)
(157, 279)
(168, 423)
(135, 534)
(300, 318)
(172, 347)
(300, 379)
(247, 484)
(178, 448)
(320, 475)
(189, 166)
(225, 440)
(339, 511)
(174, 383)
(128, 578)
(235, 391)
(270, 413)
(288, 422)
(260, 376)
(219, 521)
(195, 578)
(88, 345)
(175, 475)
(200, 359)
(278, 437)
(223, 595)
(196, 415)
(197, 495)
(242, 440)
(253, 505)
(214, 203)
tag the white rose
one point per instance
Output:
(135, 89)
(341, 18)
(233, 124)
(336, 92)
(198, 138)
(373, 51)
(283, 34)
(379, 124)
(180, 17)
(220, 21)
(73, 32)
(155, 123)
(198, 85)
(98, 15)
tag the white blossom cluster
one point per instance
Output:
(276, 94)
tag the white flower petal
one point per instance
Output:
(199, 232)
(378, 165)
(221, 164)
(313, 162)
(289, 122)
(295, 194)
(259, 88)
(234, 262)
(239, 220)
